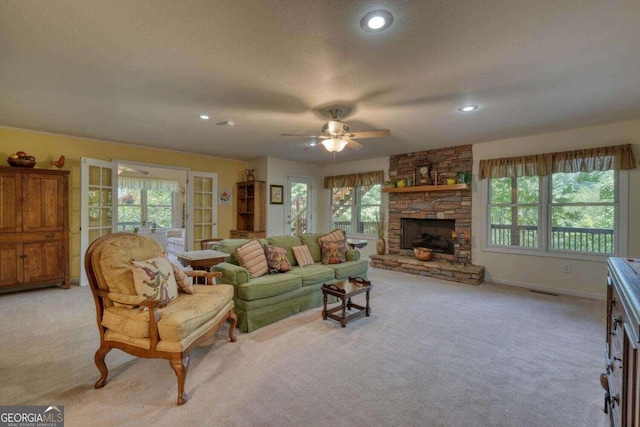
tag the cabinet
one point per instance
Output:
(621, 382)
(34, 228)
(251, 206)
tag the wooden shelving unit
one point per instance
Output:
(250, 196)
(425, 188)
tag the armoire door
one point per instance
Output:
(10, 218)
(43, 203)
(43, 261)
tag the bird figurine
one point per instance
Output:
(58, 163)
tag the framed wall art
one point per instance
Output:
(224, 196)
(275, 194)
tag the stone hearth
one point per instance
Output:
(445, 270)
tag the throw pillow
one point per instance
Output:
(251, 256)
(276, 259)
(333, 252)
(303, 256)
(154, 279)
(184, 282)
(334, 236)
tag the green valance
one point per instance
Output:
(616, 157)
(354, 179)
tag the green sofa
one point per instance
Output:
(269, 298)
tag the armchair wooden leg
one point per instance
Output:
(233, 320)
(102, 367)
(180, 365)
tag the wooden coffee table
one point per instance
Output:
(344, 291)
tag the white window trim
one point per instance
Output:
(621, 234)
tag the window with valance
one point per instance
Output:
(355, 201)
(147, 202)
(564, 202)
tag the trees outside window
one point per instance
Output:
(565, 212)
(144, 208)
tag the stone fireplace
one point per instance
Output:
(438, 217)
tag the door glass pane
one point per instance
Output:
(94, 196)
(298, 208)
(94, 234)
(94, 175)
(197, 216)
(207, 185)
(197, 232)
(106, 177)
(94, 217)
(106, 197)
(106, 217)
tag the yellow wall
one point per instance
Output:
(47, 147)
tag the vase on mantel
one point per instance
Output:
(381, 246)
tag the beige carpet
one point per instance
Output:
(431, 354)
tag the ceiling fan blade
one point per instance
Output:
(354, 145)
(369, 134)
(306, 136)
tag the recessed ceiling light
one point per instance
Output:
(204, 117)
(312, 144)
(378, 20)
(468, 108)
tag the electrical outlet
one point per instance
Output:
(566, 268)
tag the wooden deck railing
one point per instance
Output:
(598, 240)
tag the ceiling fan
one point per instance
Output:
(335, 134)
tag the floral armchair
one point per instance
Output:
(152, 328)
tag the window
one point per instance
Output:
(144, 208)
(355, 209)
(514, 211)
(583, 211)
(564, 212)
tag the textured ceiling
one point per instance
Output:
(142, 71)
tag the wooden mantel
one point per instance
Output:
(426, 188)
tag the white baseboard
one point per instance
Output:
(545, 288)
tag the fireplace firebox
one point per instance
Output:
(435, 234)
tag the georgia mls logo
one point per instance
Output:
(31, 416)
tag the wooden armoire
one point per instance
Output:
(34, 228)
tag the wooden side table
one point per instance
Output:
(345, 290)
(202, 260)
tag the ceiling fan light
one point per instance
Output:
(334, 145)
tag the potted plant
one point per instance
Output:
(381, 244)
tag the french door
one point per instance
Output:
(98, 206)
(298, 205)
(203, 208)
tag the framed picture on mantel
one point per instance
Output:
(276, 194)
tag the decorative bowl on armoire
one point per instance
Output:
(21, 163)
